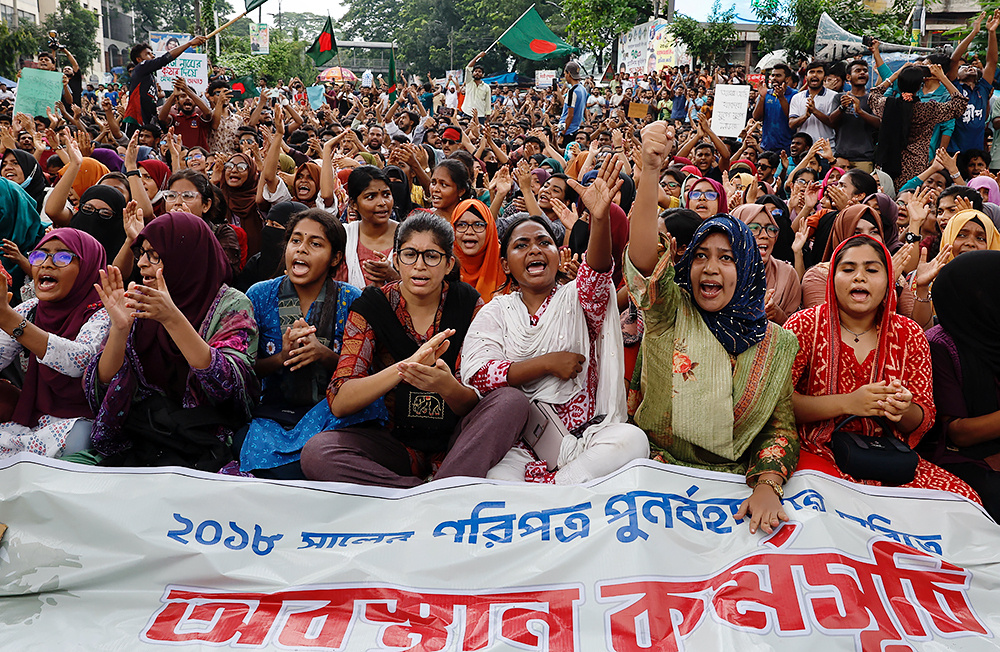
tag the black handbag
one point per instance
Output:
(162, 433)
(883, 458)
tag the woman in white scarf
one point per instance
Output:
(532, 338)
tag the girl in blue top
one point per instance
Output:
(301, 318)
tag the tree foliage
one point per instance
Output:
(596, 24)
(791, 24)
(174, 15)
(305, 25)
(286, 58)
(24, 41)
(709, 43)
(77, 29)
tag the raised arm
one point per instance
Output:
(657, 138)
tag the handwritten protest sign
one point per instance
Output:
(544, 78)
(729, 112)
(36, 90)
(192, 67)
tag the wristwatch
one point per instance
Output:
(773, 485)
(19, 331)
(910, 237)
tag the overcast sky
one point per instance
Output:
(336, 8)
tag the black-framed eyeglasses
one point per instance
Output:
(106, 213)
(194, 157)
(151, 255)
(432, 257)
(477, 227)
(771, 230)
(59, 258)
(240, 167)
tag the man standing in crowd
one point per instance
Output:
(477, 92)
(810, 109)
(772, 108)
(857, 125)
(977, 86)
(575, 104)
(142, 87)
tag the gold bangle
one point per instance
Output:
(773, 485)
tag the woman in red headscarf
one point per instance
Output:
(857, 356)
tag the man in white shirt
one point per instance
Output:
(477, 93)
(810, 108)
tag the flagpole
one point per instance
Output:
(333, 36)
(219, 29)
(509, 28)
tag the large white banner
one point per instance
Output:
(650, 47)
(649, 558)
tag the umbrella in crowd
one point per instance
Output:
(338, 74)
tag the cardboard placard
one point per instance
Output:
(192, 67)
(638, 110)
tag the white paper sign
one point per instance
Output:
(544, 78)
(648, 558)
(729, 110)
(192, 67)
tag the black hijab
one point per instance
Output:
(109, 231)
(399, 184)
(969, 311)
(34, 180)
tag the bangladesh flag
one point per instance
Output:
(324, 47)
(530, 38)
(253, 4)
(244, 88)
(392, 75)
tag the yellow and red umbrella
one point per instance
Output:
(337, 74)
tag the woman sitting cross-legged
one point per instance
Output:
(858, 357)
(62, 329)
(712, 386)
(181, 339)
(561, 345)
(404, 341)
(301, 316)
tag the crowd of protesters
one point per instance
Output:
(387, 289)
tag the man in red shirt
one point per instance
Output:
(188, 114)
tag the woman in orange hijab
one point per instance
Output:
(477, 247)
(76, 176)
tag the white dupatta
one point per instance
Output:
(354, 274)
(502, 330)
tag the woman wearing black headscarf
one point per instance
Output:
(21, 167)
(966, 357)
(778, 210)
(100, 214)
(399, 184)
(266, 263)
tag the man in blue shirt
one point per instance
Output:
(771, 109)
(970, 127)
(575, 104)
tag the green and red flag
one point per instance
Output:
(250, 5)
(392, 76)
(530, 38)
(324, 47)
(243, 88)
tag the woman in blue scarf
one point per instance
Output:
(20, 224)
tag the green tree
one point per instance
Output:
(596, 24)
(24, 41)
(286, 59)
(307, 24)
(708, 43)
(792, 25)
(77, 29)
(372, 20)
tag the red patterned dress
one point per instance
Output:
(826, 365)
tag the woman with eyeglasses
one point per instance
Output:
(404, 341)
(197, 159)
(191, 192)
(561, 345)
(706, 197)
(477, 247)
(370, 237)
(62, 330)
(784, 292)
(181, 339)
(101, 214)
(237, 178)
